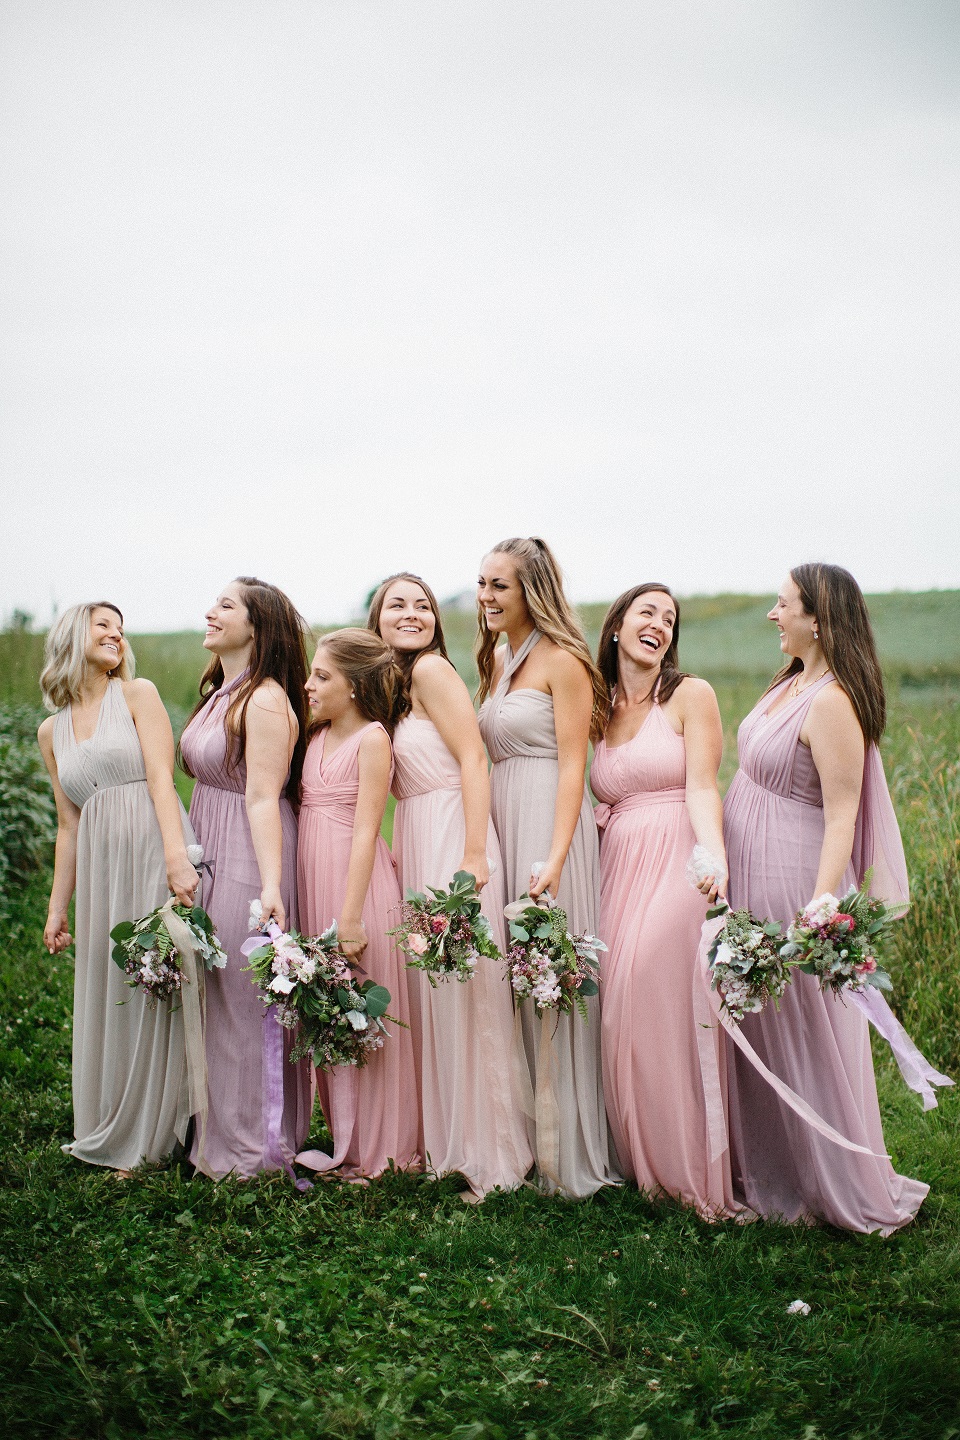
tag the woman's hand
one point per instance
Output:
(272, 907)
(547, 879)
(713, 887)
(353, 937)
(478, 867)
(182, 880)
(56, 932)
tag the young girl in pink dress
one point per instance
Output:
(345, 873)
(463, 1034)
(655, 772)
(809, 812)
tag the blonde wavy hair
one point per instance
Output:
(541, 581)
(64, 658)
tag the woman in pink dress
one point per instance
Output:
(245, 744)
(471, 1120)
(809, 812)
(345, 873)
(655, 772)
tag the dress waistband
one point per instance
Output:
(604, 813)
(343, 810)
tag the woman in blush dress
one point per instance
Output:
(541, 695)
(345, 873)
(655, 772)
(121, 845)
(245, 744)
(809, 812)
(471, 1119)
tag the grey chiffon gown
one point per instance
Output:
(519, 732)
(129, 1072)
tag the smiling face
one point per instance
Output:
(647, 629)
(500, 594)
(106, 645)
(228, 623)
(406, 620)
(796, 627)
(328, 689)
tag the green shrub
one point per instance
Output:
(28, 817)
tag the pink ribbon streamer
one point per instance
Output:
(916, 1070)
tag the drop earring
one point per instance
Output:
(616, 639)
(816, 634)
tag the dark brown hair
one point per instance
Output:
(279, 653)
(368, 663)
(541, 581)
(607, 652)
(832, 596)
(407, 659)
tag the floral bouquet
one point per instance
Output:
(747, 964)
(545, 962)
(838, 940)
(151, 957)
(445, 936)
(310, 984)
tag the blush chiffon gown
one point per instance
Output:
(774, 827)
(518, 727)
(371, 1110)
(258, 1103)
(463, 1034)
(129, 1070)
(650, 920)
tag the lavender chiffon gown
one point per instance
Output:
(129, 1070)
(518, 728)
(371, 1109)
(259, 1104)
(650, 920)
(463, 1034)
(773, 827)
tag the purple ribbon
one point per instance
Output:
(273, 1063)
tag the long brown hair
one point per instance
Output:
(541, 581)
(407, 659)
(279, 653)
(368, 663)
(607, 652)
(832, 596)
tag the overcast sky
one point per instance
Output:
(321, 289)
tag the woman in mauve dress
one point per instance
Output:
(471, 1119)
(808, 813)
(541, 695)
(245, 744)
(122, 839)
(655, 774)
(345, 873)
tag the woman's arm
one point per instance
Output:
(271, 736)
(374, 761)
(156, 742)
(56, 931)
(833, 733)
(572, 705)
(446, 702)
(699, 714)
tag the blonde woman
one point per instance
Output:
(542, 696)
(122, 841)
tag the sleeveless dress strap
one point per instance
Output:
(512, 663)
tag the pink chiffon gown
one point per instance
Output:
(471, 1120)
(371, 1109)
(650, 920)
(259, 1104)
(774, 826)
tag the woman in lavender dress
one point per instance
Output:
(809, 812)
(245, 744)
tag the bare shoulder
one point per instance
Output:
(695, 693)
(139, 691)
(45, 732)
(833, 706)
(562, 665)
(271, 698)
(434, 676)
(375, 743)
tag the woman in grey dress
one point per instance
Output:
(122, 846)
(542, 695)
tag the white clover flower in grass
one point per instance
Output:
(798, 1307)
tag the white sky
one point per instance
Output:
(321, 289)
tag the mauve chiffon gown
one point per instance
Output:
(259, 1104)
(371, 1109)
(129, 1069)
(774, 826)
(463, 1034)
(650, 920)
(518, 728)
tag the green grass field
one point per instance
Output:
(176, 1308)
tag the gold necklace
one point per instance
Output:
(798, 689)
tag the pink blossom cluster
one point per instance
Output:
(158, 976)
